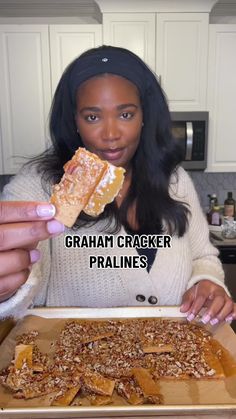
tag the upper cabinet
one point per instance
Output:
(171, 37)
(25, 92)
(174, 45)
(1, 154)
(33, 58)
(195, 63)
(181, 58)
(134, 31)
(67, 42)
(221, 98)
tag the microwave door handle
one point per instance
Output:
(189, 143)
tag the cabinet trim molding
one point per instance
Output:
(25, 92)
(221, 98)
(140, 6)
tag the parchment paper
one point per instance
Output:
(218, 392)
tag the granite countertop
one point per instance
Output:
(217, 239)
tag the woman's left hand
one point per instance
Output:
(205, 294)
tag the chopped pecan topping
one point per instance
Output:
(97, 358)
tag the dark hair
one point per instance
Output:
(156, 159)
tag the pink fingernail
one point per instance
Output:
(206, 318)
(190, 317)
(229, 319)
(214, 321)
(55, 227)
(45, 210)
(34, 255)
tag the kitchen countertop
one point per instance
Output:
(218, 240)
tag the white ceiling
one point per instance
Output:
(81, 8)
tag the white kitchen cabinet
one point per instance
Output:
(1, 153)
(221, 98)
(174, 45)
(181, 59)
(33, 58)
(134, 31)
(25, 92)
(68, 42)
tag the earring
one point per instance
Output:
(142, 124)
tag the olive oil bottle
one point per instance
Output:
(229, 206)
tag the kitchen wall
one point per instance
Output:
(209, 183)
(205, 183)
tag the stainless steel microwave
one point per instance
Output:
(191, 130)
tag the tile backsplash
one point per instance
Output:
(209, 183)
(205, 183)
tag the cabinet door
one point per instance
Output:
(1, 153)
(134, 31)
(69, 41)
(25, 92)
(181, 58)
(221, 98)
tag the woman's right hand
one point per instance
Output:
(22, 226)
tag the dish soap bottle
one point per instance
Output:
(214, 216)
(229, 206)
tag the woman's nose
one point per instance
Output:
(111, 130)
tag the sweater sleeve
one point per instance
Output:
(206, 264)
(27, 187)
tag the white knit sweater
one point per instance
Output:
(63, 278)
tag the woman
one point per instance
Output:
(109, 102)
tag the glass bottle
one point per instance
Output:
(212, 203)
(215, 215)
(229, 205)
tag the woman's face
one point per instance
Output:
(109, 118)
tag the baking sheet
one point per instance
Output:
(183, 397)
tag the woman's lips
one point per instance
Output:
(112, 155)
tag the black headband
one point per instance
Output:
(110, 61)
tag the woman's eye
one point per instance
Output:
(126, 115)
(91, 118)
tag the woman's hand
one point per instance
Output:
(22, 226)
(219, 306)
